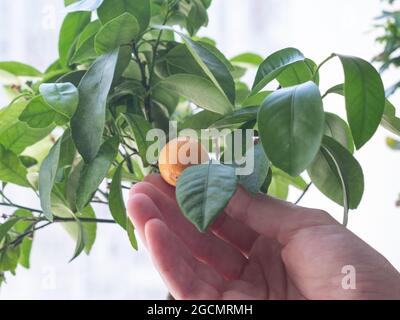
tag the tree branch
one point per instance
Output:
(304, 193)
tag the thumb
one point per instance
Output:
(273, 218)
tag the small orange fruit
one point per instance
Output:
(179, 154)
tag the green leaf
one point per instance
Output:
(119, 31)
(88, 122)
(204, 191)
(16, 135)
(131, 234)
(197, 17)
(389, 120)
(25, 252)
(90, 228)
(297, 182)
(256, 100)
(7, 226)
(201, 120)
(297, 73)
(28, 161)
(274, 65)
(19, 69)
(38, 114)
(253, 182)
(140, 9)
(85, 49)
(26, 245)
(47, 176)
(84, 5)
(93, 173)
(20, 136)
(365, 98)
(62, 97)
(11, 168)
(198, 90)
(338, 89)
(213, 66)
(337, 174)
(237, 117)
(337, 128)
(279, 188)
(74, 228)
(116, 200)
(72, 26)
(291, 126)
(9, 259)
(73, 77)
(248, 58)
(140, 127)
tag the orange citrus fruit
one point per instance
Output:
(179, 154)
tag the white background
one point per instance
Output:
(28, 33)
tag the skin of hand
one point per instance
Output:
(259, 248)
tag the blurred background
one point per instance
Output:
(29, 31)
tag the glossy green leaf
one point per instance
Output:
(7, 226)
(140, 9)
(291, 126)
(9, 259)
(212, 65)
(200, 91)
(131, 234)
(337, 128)
(15, 135)
(274, 65)
(297, 182)
(72, 26)
(255, 100)
(389, 120)
(93, 173)
(254, 181)
(237, 117)
(365, 98)
(88, 122)
(248, 58)
(116, 200)
(19, 69)
(338, 89)
(11, 168)
(197, 17)
(62, 97)
(337, 174)
(119, 31)
(90, 228)
(73, 227)
(47, 176)
(38, 114)
(26, 245)
(278, 188)
(201, 120)
(297, 73)
(204, 191)
(85, 49)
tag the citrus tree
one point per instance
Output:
(76, 134)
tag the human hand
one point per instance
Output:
(259, 248)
